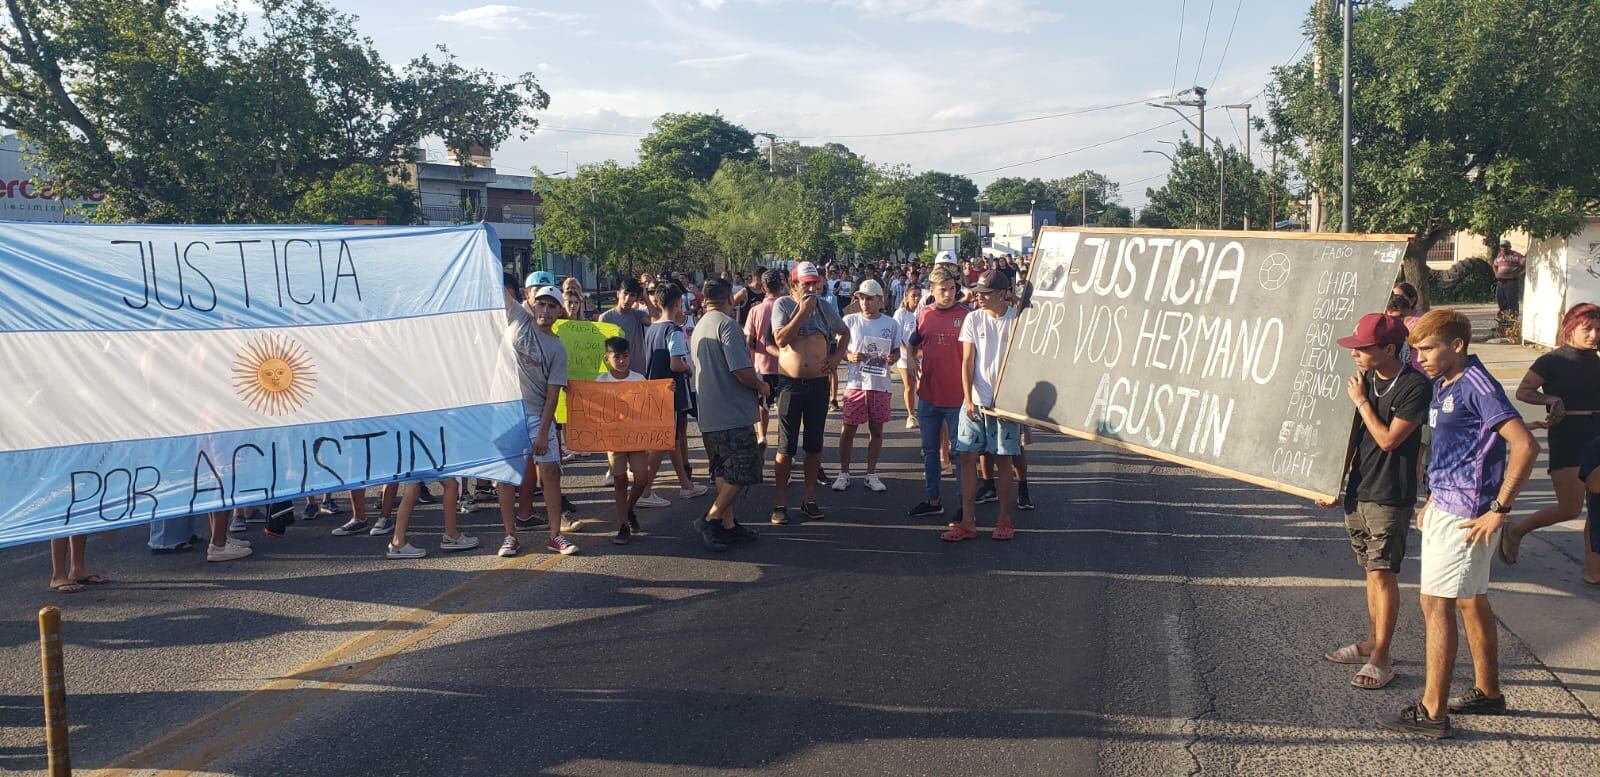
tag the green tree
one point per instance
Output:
(1114, 215)
(1013, 195)
(694, 145)
(880, 224)
(1151, 217)
(743, 208)
(956, 191)
(1481, 115)
(228, 119)
(1067, 196)
(623, 217)
(357, 192)
(831, 178)
(1189, 196)
(804, 232)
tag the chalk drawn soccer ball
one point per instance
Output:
(1274, 272)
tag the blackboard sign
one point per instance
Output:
(1214, 350)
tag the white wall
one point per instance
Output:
(1562, 272)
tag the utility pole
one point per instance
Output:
(1248, 158)
(772, 148)
(1084, 201)
(1198, 101)
(1172, 106)
(1344, 95)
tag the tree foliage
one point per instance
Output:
(357, 192)
(228, 119)
(1189, 197)
(1014, 195)
(623, 217)
(1067, 197)
(693, 146)
(880, 223)
(1468, 114)
(743, 208)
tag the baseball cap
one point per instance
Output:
(805, 272)
(870, 288)
(993, 280)
(1376, 329)
(548, 292)
(539, 278)
(945, 257)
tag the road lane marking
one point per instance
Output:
(264, 708)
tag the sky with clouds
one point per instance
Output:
(846, 70)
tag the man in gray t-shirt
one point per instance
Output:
(627, 315)
(729, 391)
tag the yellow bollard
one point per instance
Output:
(55, 693)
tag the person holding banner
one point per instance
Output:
(1391, 401)
(984, 334)
(624, 464)
(727, 382)
(542, 361)
(1482, 456)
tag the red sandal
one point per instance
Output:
(1004, 531)
(958, 533)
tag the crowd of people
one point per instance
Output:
(740, 351)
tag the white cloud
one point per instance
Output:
(710, 62)
(211, 7)
(1013, 15)
(497, 16)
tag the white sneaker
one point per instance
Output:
(235, 541)
(841, 482)
(651, 500)
(608, 481)
(874, 484)
(694, 490)
(405, 551)
(236, 525)
(465, 505)
(911, 422)
(381, 527)
(228, 552)
(462, 541)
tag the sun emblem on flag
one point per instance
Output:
(274, 375)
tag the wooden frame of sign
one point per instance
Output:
(1351, 278)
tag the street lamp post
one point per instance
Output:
(1248, 158)
(1202, 130)
(1344, 96)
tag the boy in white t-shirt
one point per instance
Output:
(875, 341)
(984, 334)
(624, 464)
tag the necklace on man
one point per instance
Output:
(1385, 392)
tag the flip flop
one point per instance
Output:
(1591, 583)
(94, 580)
(1004, 531)
(67, 588)
(1373, 672)
(1349, 654)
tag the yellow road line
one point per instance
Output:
(260, 710)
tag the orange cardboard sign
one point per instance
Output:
(622, 416)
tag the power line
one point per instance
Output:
(897, 133)
(1177, 54)
(1228, 43)
(1078, 150)
(1075, 112)
(1203, 40)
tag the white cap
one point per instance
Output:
(550, 292)
(945, 257)
(870, 288)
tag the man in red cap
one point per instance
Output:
(811, 338)
(1391, 400)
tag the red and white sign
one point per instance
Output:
(22, 200)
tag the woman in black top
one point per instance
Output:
(1566, 382)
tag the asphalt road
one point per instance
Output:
(1147, 620)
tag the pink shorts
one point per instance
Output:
(866, 407)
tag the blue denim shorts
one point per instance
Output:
(988, 434)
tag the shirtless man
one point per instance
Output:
(804, 328)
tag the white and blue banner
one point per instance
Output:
(153, 372)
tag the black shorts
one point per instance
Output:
(734, 454)
(1568, 439)
(772, 386)
(802, 413)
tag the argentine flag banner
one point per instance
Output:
(153, 372)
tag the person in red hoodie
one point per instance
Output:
(936, 341)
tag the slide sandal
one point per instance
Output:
(1004, 531)
(1377, 674)
(1349, 654)
(958, 533)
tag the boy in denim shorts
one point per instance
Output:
(984, 334)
